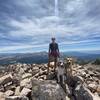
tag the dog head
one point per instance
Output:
(61, 64)
(68, 60)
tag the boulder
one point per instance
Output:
(25, 92)
(92, 86)
(42, 72)
(21, 72)
(2, 96)
(30, 71)
(51, 76)
(47, 90)
(51, 64)
(83, 74)
(98, 89)
(10, 87)
(17, 91)
(16, 98)
(26, 67)
(29, 86)
(25, 82)
(91, 73)
(35, 70)
(6, 79)
(94, 96)
(78, 79)
(42, 77)
(43, 68)
(9, 93)
(81, 93)
(78, 66)
(2, 89)
(26, 75)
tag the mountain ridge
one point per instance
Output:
(42, 57)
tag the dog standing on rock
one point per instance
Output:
(60, 72)
(68, 63)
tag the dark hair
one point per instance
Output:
(53, 38)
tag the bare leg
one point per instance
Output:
(71, 70)
(48, 65)
(55, 63)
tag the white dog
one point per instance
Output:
(60, 72)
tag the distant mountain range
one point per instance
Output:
(42, 57)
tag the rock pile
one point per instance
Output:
(30, 82)
(15, 82)
(90, 77)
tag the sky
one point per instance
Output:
(28, 25)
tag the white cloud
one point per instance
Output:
(20, 47)
(30, 27)
(76, 21)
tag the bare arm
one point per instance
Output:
(49, 49)
(57, 48)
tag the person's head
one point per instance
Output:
(53, 39)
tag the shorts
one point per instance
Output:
(52, 58)
(55, 54)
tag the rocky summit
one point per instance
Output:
(31, 82)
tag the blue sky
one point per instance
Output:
(28, 25)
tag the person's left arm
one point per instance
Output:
(49, 50)
(58, 49)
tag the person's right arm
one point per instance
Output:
(49, 50)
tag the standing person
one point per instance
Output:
(53, 53)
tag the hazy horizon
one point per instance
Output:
(82, 51)
(28, 25)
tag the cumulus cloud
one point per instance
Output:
(31, 23)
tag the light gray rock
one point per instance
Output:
(2, 96)
(21, 72)
(17, 91)
(94, 96)
(25, 92)
(51, 76)
(83, 74)
(78, 79)
(42, 77)
(98, 89)
(42, 72)
(10, 87)
(25, 82)
(30, 71)
(91, 73)
(9, 93)
(47, 90)
(35, 70)
(16, 98)
(26, 67)
(6, 79)
(92, 86)
(26, 75)
(19, 81)
(81, 93)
